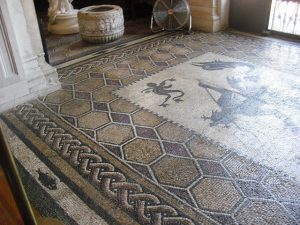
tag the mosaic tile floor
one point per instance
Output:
(133, 167)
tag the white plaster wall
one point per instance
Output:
(35, 76)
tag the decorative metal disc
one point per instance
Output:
(171, 14)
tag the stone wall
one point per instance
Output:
(210, 15)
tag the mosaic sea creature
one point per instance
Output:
(46, 180)
(220, 65)
(164, 89)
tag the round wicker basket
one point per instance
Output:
(101, 24)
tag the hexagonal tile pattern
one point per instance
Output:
(58, 97)
(121, 105)
(93, 120)
(258, 212)
(241, 167)
(75, 107)
(73, 79)
(129, 80)
(172, 132)
(282, 188)
(104, 94)
(89, 85)
(142, 65)
(119, 73)
(142, 151)
(202, 149)
(145, 118)
(216, 194)
(115, 134)
(161, 57)
(174, 171)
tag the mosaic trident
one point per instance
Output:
(164, 89)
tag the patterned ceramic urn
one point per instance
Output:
(101, 24)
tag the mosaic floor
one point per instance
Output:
(63, 48)
(131, 166)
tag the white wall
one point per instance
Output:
(21, 45)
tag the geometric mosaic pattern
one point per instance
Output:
(208, 179)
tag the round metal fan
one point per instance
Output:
(171, 15)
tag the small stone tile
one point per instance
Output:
(177, 172)
(89, 133)
(74, 78)
(172, 132)
(131, 79)
(83, 95)
(146, 132)
(144, 57)
(212, 168)
(253, 189)
(89, 85)
(104, 94)
(241, 167)
(139, 72)
(145, 118)
(120, 118)
(216, 194)
(71, 120)
(119, 73)
(259, 212)
(180, 56)
(114, 149)
(142, 151)
(175, 149)
(123, 106)
(75, 107)
(113, 82)
(100, 106)
(115, 134)
(223, 219)
(182, 194)
(283, 188)
(55, 108)
(67, 87)
(96, 75)
(58, 97)
(93, 120)
(161, 63)
(161, 57)
(202, 149)
(294, 209)
(142, 169)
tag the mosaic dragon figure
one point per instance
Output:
(220, 65)
(163, 89)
